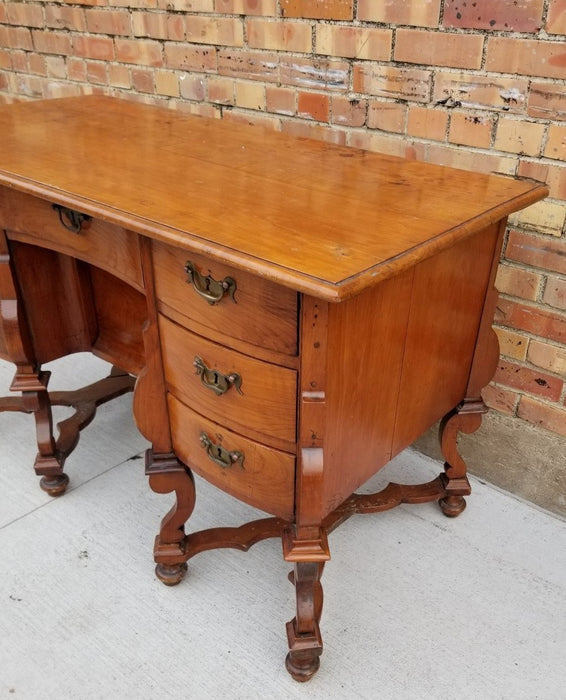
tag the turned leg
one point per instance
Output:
(303, 632)
(167, 474)
(466, 418)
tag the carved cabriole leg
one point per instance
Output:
(466, 418)
(167, 474)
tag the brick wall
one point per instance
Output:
(477, 85)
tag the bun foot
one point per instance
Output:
(452, 506)
(171, 575)
(302, 665)
(54, 485)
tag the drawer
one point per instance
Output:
(255, 398)
(112, 248)
(261, 476)
(258, 312)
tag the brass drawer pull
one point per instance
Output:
(220, 455)
(207, 287)
(72, 220)
(216, 381)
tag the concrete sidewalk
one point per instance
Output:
(417, 606)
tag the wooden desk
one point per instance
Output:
(295, 313)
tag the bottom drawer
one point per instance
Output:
(261, 476)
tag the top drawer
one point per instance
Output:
(249, 309)
(32, 220)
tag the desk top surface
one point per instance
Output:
(324, 219)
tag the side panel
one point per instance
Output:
(446, 309)
(366, 337)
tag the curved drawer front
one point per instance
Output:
(259, 475)
(36, 221)
(255, 398)
(251, 309)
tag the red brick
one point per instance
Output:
(108, 22)
(545, 252)
(119, 76)
(532, 381)
(549, 357)
(143, 52)
(556, 18)
(311, 130)
(16, 38)
(185, 57)
(76, 68)
(279, 36)
(500, 399)
(101, 48)
(314, 73)
(480, 92)
(313, 105)
(467, 159)
(511, 344)
(318, 9)
(348, 112)
(143, 80)
(56, 67)
(5, 59)
(526, 57)
(418, 14)
(547, 101)
(20, 61)
(542, 414)
(383, 142)
(97, 72)
(556, 143)
(354, 42)
(471, 129)
(53, 42)
(554, 175)
(555, 293)
(155, 25)
(221, 90)
(427, 123)
(171, 5)
(250, 95)
(246, 7)
(387, 116)
(192, 87)
(531, 319)
(220, 31)
(249, 65)
(386, 81)
(518, 16)
(439, 48)
(24, 14)
(175, 28)
(61, 17)
(519, 136)
(37, 64)
(518, 282)
(280, 100)
(3, 15)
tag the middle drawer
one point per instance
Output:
(254, 398)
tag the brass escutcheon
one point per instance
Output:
(216, 381)
(207, 287)
(220, 455)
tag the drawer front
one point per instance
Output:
(259, 475)
(35, 221)
(256, 311)
(254, 398)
